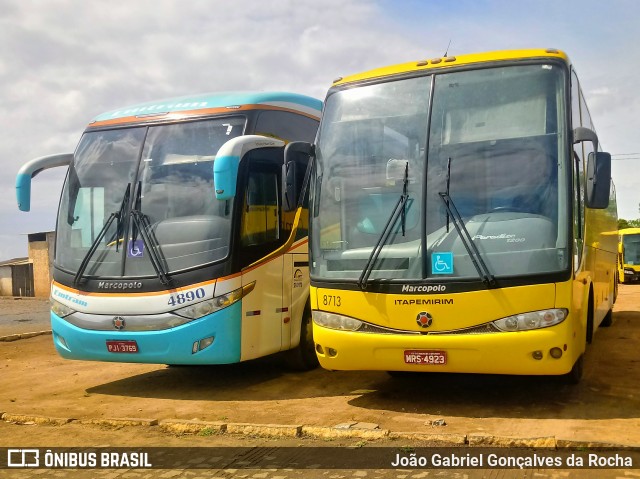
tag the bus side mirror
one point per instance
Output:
(289, 186)
(227, 162)
(598, 180)
(296, 160)
(585, 134)
(225, 175)
(31, 169)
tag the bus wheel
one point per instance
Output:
(303, 357)
(590, 327)
(575, 375)
(608, 319)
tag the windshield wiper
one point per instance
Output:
(399, 211)
(143, 225)
(463, 233)
(117, 215)
(467, 241)
(448, 188)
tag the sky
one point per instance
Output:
(62, 62)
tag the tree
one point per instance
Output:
(622, 223)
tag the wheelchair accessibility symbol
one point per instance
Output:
(136, 249)
(442, 263)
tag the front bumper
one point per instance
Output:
(167, 346)
(490, 353)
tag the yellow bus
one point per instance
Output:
(629, 255)
(457, 207)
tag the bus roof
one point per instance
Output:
(207, 104)
(452, 61)
(629, 231)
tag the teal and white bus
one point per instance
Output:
(180, 236)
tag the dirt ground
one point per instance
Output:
(23, 315)
(34, 380)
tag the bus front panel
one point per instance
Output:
(212, 339)
(476, 332)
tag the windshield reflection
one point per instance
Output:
(171, 167)
(496, 149)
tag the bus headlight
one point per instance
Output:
(217, 303)
(531, 320)
(60, 309)
(335, 321)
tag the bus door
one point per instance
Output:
(261, 234)
(297, 284)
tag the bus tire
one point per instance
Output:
(590, 320)
(575, 375)
(303, 357)
(608, 319)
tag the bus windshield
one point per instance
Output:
(168, 170)
(631, 244)
(491, 143)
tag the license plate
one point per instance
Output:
(429, 358)
(129, 346)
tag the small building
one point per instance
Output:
(30, 276)
(41, 247)
(16, 277)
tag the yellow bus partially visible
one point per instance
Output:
(629, 255)
(458, 211)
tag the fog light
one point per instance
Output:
(332, 352)
(206, 342)
(202, 344)
(319, 349)
(537, 355)
(62, 342)
(555, 353)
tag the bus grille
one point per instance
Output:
(482, 329)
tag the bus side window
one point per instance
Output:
(285, 125)
(261, 210)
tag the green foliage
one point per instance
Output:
(622, 223)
